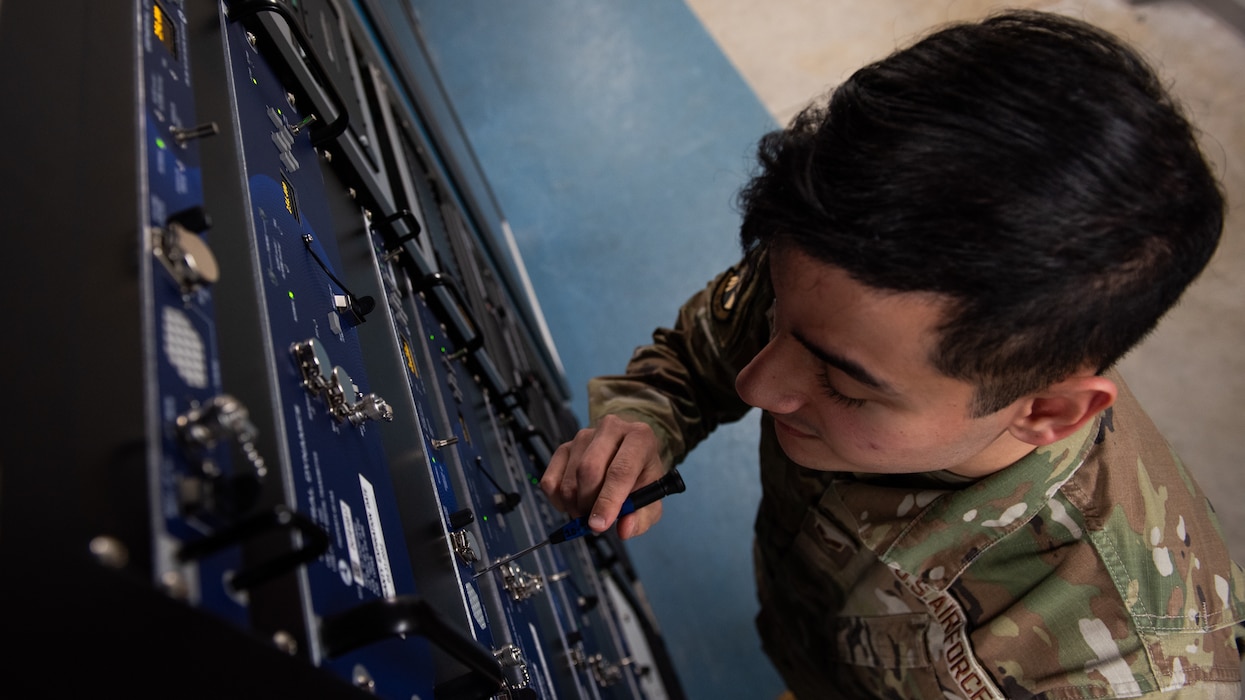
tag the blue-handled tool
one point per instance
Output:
(672, 482)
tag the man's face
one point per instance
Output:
(848, 380)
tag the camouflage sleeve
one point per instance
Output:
(683, 384)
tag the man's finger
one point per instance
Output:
(551, 480)
(639, 522)
(630, 463)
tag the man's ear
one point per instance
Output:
(1062, 408)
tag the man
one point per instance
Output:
(960, 497)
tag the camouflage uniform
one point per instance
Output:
(1092, 568)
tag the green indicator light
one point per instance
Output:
(486, 518)
(442, 349)
(535, 480)
(431, 337)
(254, 81)
(160, 143)
(291, 295)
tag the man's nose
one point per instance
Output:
(769, 382)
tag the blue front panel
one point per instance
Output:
(583, 608)
(441, 389)
(338, 474)
(182, 318)
(408, 308)
(502, 533)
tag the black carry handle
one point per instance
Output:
(315, 541)
(378, 620)
(412, 225)
(320, 135)
(470, 338)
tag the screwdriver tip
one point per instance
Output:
(488, 568)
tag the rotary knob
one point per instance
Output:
(221, 418)
(183, 252)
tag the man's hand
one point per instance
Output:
(596, 471)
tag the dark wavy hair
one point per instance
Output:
(1030, 168)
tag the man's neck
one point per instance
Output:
(1005, 451)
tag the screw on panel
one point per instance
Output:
(110, 552)
(284, 641)
(174, 584)
(363, 679)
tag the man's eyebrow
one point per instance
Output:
(851, 368)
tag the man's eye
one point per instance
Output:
(823, 378)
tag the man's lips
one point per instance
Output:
(794, 432)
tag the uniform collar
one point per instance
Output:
(933, 530)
